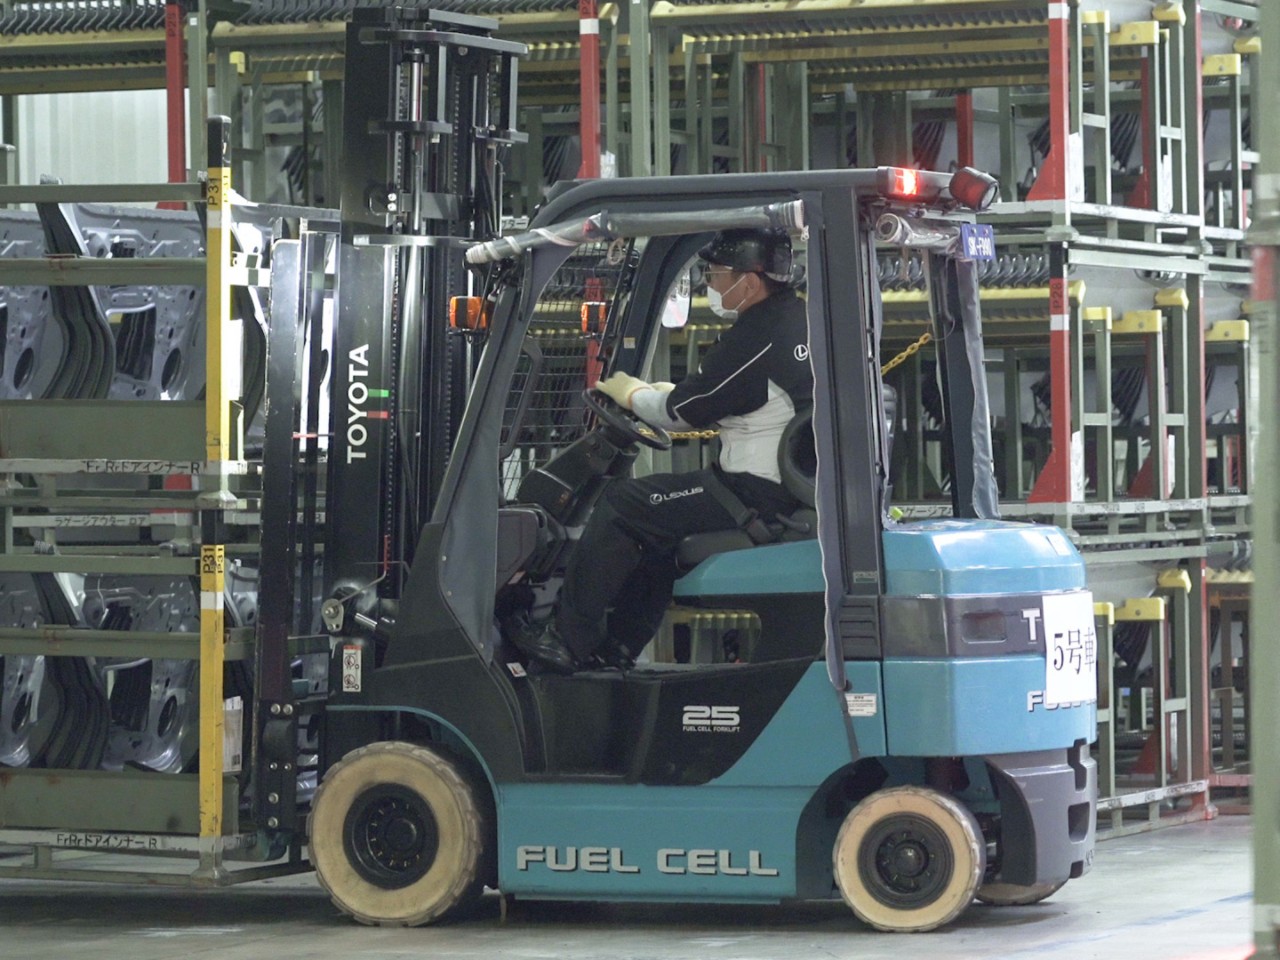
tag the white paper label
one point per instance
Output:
(1077, 466)
(1164, 200)
(351, 669)
(1075, 169)
(1071, 649)
(860, 704)
(232, 734)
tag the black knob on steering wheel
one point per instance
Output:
(624, 422)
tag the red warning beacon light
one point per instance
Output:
(903, 183)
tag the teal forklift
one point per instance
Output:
(905, 723)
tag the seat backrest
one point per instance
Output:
(797, 454)
(889, 399)
(798, 457)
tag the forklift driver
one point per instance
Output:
(750, 384)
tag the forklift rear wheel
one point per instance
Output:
(397, 835)
(909, 859)
(1017, 894)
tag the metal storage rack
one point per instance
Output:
(1108, 270)
(184, 815)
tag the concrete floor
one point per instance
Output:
(1181, 893)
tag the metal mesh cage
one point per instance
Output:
(561, 357)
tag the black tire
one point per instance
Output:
(1016, 894)
(909, 859)
(398, 835)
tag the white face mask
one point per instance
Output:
(715, 300)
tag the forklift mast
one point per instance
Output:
(360, 307)
(428, 106)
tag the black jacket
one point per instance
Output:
(750, 383)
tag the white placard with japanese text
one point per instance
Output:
(1071, 649)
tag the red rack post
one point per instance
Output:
(1054, 483)
(175, 72)
(964, 128)
(1051, 184)
(589, 81)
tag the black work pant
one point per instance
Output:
(623, 567)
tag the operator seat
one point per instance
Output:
(798, 466)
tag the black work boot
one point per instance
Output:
(542, 643)
(614, 656)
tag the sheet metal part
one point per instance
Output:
(85, 366)
(153, 703)
(54, 709)
(28, 314)
(159, 341)
(28, 705)
(59, 341)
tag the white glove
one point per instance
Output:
(620, 387)
(650, 405)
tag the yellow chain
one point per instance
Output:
(694, 434)
(910, 351)
(709, 434)
(684, 434)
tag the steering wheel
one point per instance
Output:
(624, 422)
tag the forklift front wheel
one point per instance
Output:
(1016, 894)
(397, 835)
(909, 859)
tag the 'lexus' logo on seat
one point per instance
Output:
(657, 498)
(802, 351)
